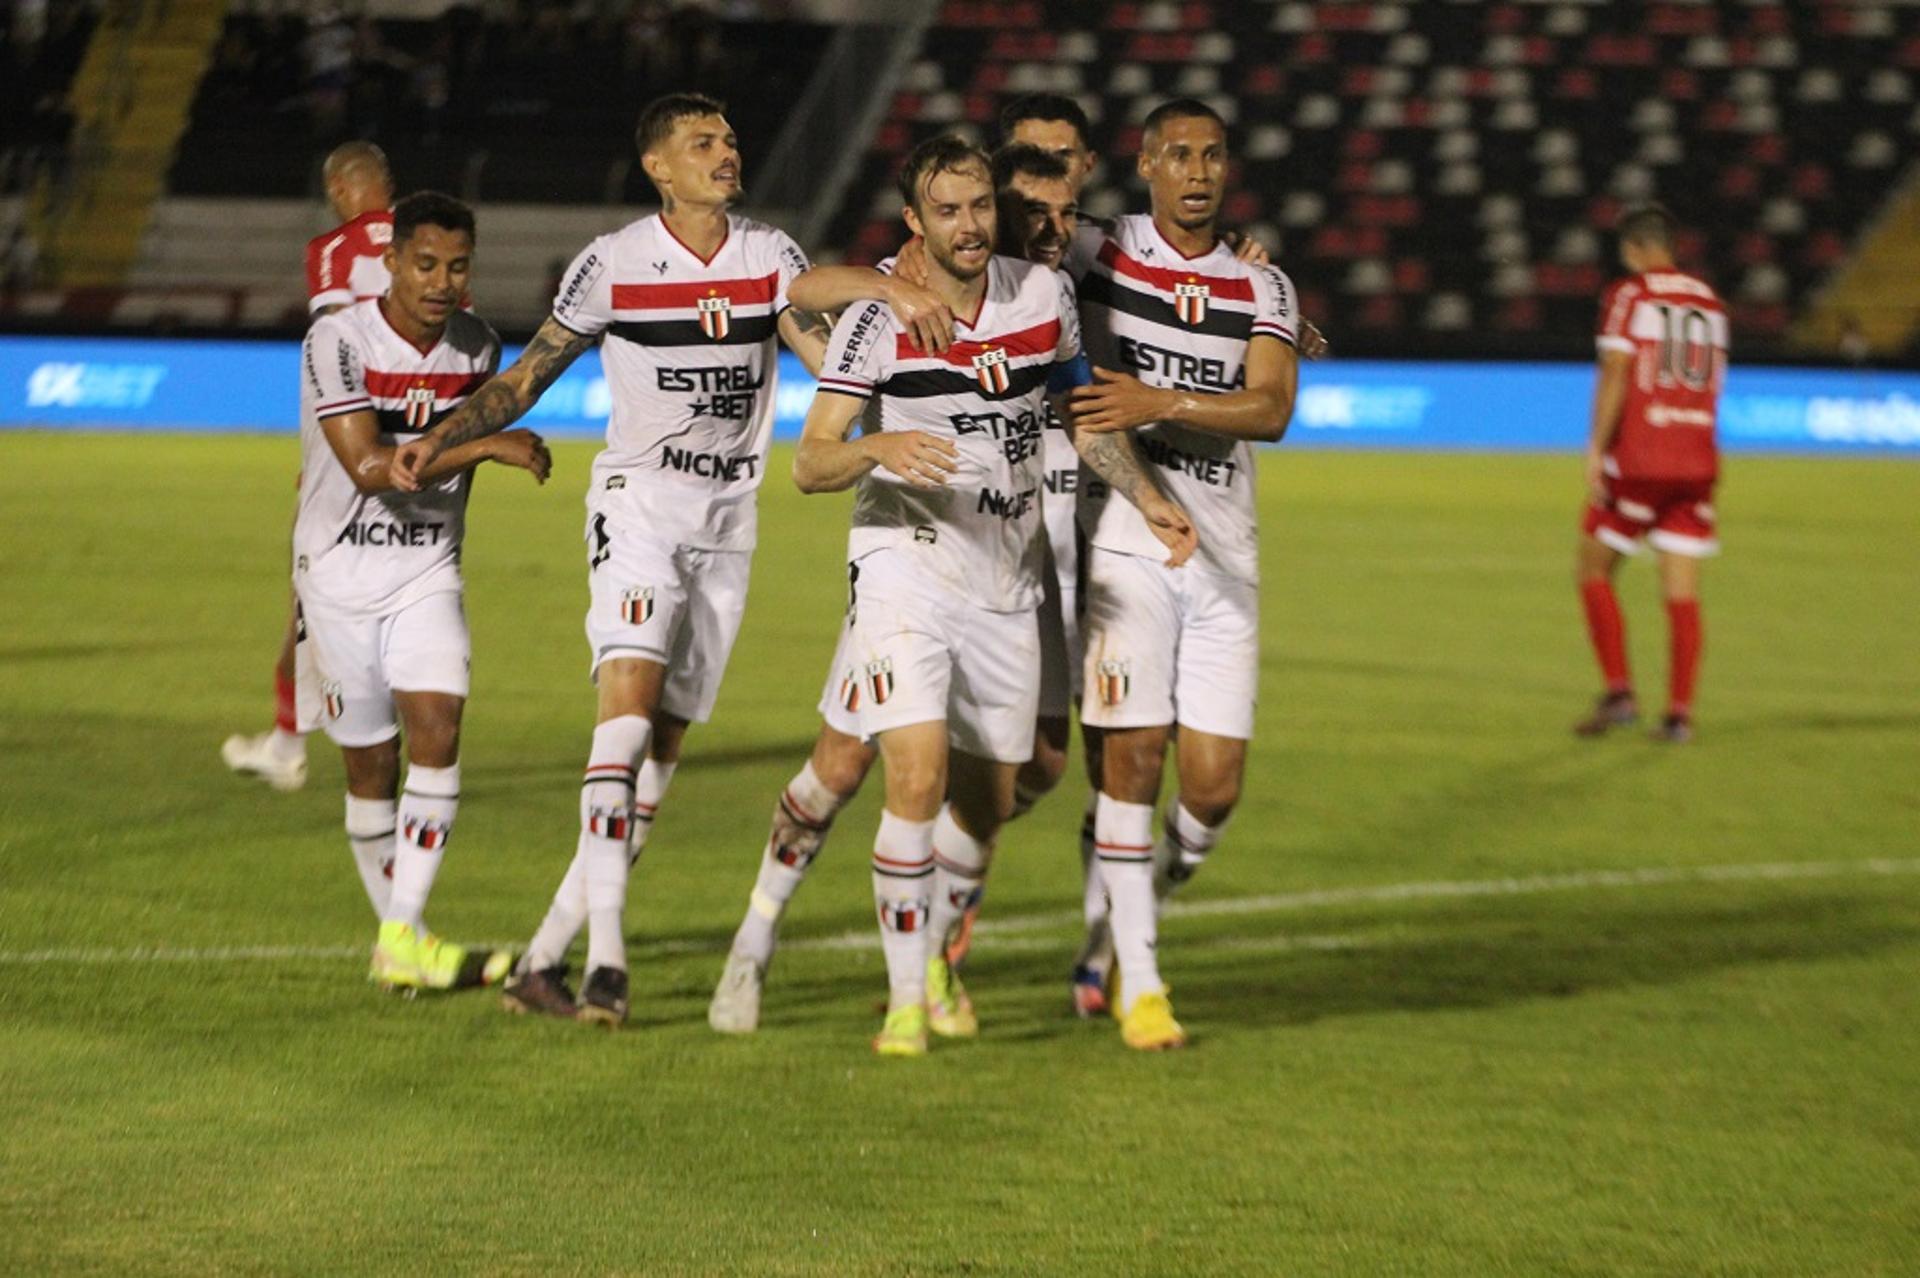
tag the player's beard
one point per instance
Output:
(944, 255)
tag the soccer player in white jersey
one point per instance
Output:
(945, 556)
(1035, 216)
(1194, 350)
(377, 571)
(686, 304)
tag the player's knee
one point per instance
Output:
(1211, 803)
(841, 762)
(915, 785)
(1043, 771)
(1132, 762)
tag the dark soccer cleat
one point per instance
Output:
(1614, 710)
(541, 993)
(1677, 728)
(603, 999)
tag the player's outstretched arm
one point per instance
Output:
(500, 402)
(1609, 397)
(828, 462)
(1261, 410)
(355, 440)
(1114, 458)
(926, 319)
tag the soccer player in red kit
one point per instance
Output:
(343, 266)
(1651, 461)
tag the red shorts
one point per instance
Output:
(1676, 517)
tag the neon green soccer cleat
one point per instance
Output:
(405, 959)
(1149, 1026)
(904, 1034)
(949, 1010)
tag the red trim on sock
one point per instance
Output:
(1683, 643)
(284, 717)
(1607, 632)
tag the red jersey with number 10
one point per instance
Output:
(1674, 327)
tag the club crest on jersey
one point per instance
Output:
(715, 316)
(334, 698)
(879, 680)
(426, 833)
(419, 409)
(990, 367)
(636, 605)
(1115, 680)
(1190, 302)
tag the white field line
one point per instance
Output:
(1008, 928)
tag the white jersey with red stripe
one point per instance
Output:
(1675, 328)
(979, 536)
(370, 554)
(689, 351)
(1183, 323)
(348, 264)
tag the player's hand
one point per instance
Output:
(409, 459)
(927, 320)
(1116, 401)
(1595, 476)
(921, 459)
(1313, 342)
(1167, 522)
(1247, 249)
(524, 449)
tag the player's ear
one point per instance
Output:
(912, 220)
(1143, 163)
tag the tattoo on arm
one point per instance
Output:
(806, 334)
(1115, 460)
(500, 402)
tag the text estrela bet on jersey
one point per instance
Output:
(370, 554)
(1675, 328)
(348, 264)
(1184, 324)
(689, 354)
(979, 535)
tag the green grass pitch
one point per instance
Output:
(1577, 1045)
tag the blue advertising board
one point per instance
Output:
(128, 384)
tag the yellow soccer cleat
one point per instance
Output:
(904, 1033)
(949, 1010)
(396, 961)
(441, 963)
(1149, 1025)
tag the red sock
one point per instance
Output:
(283, 715)
(1608, 632)
(1683, 635)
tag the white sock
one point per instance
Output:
(801, 819)
(959, 878)
(1183, 848)
(428, 803)
(1093, 901)
(902, 879)
(1123, 846)
(370, 826)
(567, 913)
(606, 823)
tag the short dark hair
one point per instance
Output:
(659, 116)
(1648, 224)
(1022, 159)
(1179, 109)
(947, 153)
(1046, 106)
(430, 208)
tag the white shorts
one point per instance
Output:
(354, 665)
(1169, 645)
(676, 605)
(922, 656)
(840, 699)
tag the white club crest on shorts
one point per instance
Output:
(850, 689)
(716, 315)
(880, 680)
(334, 697)
(1190, 301)
(990, 366)
(419, 410)
(1115, 681)
(636, 605)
